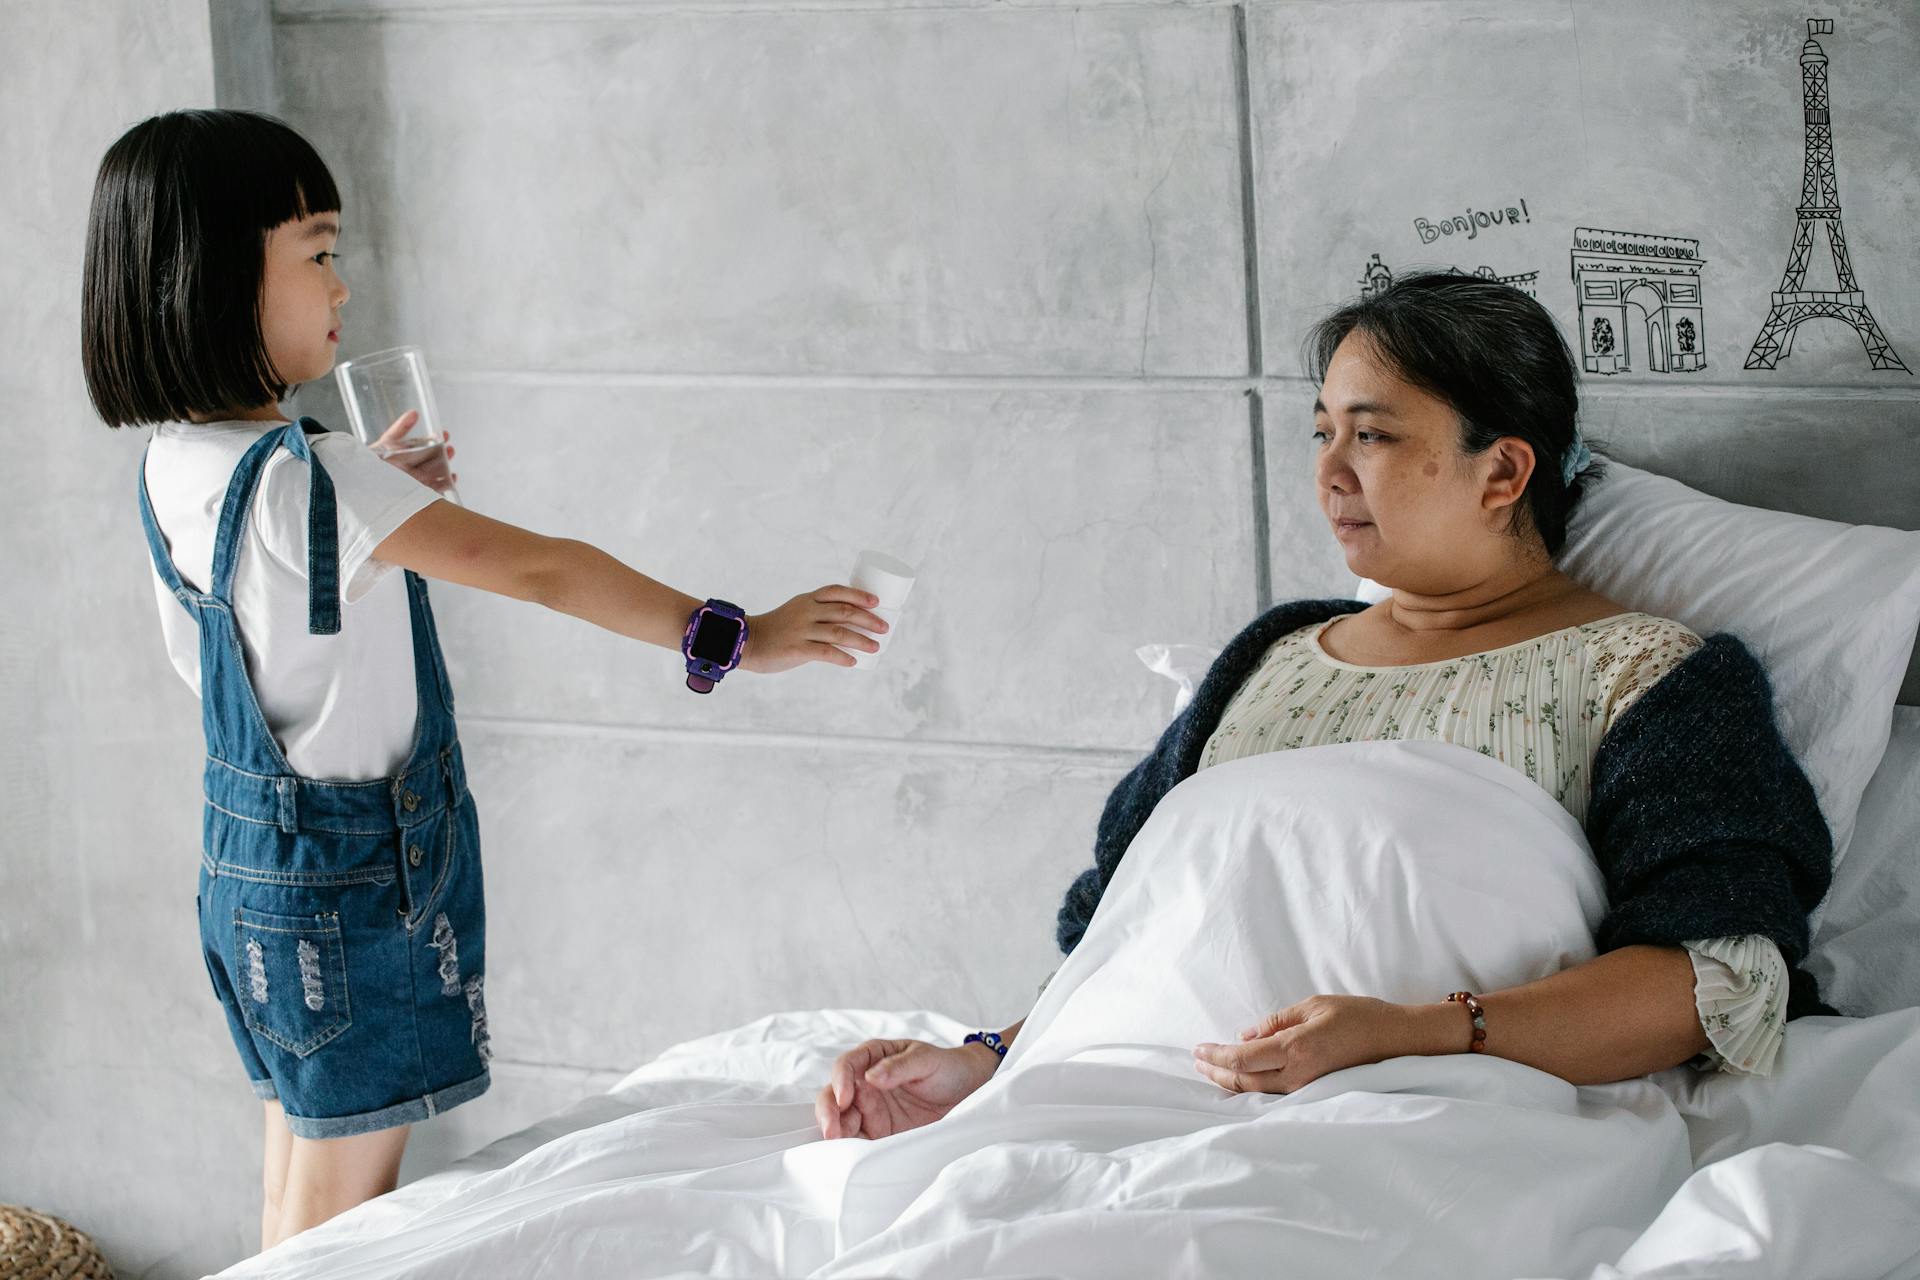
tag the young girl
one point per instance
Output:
(340, 905)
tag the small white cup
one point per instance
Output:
(891, 581)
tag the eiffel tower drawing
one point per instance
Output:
(1793, 303)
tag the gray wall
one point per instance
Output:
(735, 289)
(116, 1105)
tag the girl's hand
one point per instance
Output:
(431, 466)
(808, 627)
(1303, 1042)
(885, 1087)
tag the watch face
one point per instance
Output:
(714, 638)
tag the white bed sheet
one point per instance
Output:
(1097, 1151)
(1825, 1187)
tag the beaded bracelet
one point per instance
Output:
(991, 1039)
(1466, 998)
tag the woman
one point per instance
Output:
(1448, 463)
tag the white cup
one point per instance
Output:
(891, 581)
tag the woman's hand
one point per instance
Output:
(1308, 1040)
(812, 627)
(432, 465)
(885, 1087)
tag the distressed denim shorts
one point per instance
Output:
(351, 967)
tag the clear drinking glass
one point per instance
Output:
(380, 386)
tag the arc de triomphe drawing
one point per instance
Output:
(1640, 305)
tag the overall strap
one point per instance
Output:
(323, 528)
(156, 543)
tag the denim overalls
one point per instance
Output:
(341, 922)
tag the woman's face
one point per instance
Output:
(1410, 508)
(301, 297)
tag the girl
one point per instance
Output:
(340, 906)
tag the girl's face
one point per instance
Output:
(1409, 506)
(302, 297)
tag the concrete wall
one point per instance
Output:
(116, 1102)
(737, 288)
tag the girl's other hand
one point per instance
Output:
(812, 627)
(431, 465)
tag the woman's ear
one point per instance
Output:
(1507, 465)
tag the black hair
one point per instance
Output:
(1495, 356)
(176, 253)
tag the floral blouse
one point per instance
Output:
(1542, 706)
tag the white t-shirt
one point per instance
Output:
(340, 706)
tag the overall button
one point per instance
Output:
(414, 856)
(409, 802)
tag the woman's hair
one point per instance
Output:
(176, 251)
(1495, 356)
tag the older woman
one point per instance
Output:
(1447, 463)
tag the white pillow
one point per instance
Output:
(1829, 609)
(1866, 952)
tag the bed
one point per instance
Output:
(1097, 1151)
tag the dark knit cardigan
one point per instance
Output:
(1701, 821)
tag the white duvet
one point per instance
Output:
(1399, 870)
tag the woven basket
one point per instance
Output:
(34, 1246)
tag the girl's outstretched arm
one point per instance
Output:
(453, 544)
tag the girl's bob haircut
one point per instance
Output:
(176, 252)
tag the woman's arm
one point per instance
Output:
(453, 544)
(1620, 1015)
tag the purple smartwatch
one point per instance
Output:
(716, 636)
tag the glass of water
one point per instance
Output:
(377, 389)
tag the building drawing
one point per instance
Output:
(1376, 277)
(1524, 282)
(1639, 299)
(1793, 304)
